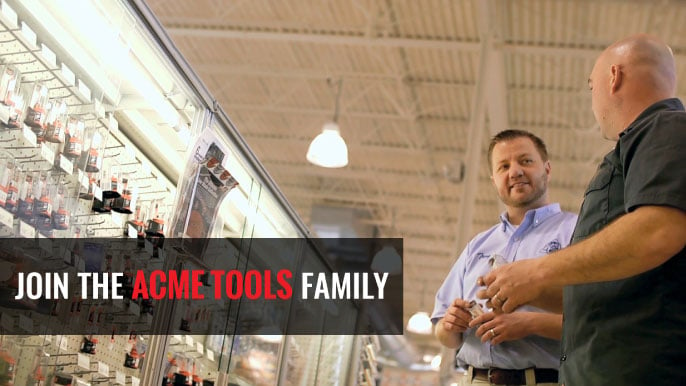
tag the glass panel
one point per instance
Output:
(110, 120)
(301, 360)
(334, 360)
(271, 220)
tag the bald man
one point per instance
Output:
(624, 276)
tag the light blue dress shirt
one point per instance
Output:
(542, 231)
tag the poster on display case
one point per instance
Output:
(204, 185)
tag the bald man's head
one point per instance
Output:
(630, 75)
(648, 56)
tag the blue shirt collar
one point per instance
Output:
(532, 217)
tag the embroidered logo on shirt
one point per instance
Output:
(481, 255)
(551, 247)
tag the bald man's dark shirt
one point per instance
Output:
(632, 331)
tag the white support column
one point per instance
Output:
(490, 82)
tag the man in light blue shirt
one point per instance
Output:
(521, 348)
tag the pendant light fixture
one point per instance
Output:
(388, 259)
(328, 149)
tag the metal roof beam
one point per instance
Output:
(328, 39)
(229, 107)
(395, 177)
(359, 40)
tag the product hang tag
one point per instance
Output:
(131, 232)
(103, 369)
(116, 218)
(47, 153)
(149, 247)
(66, 165)
(6, 218)
(26, 230)
(25, 323)
(6, 322)
(30, 136)
(97, 192)
(83, 361)
(201, 149)
(44, 243)
(83, 179)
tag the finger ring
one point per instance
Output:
(492, 332)
(496, 298)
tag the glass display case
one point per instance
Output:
(100, 117)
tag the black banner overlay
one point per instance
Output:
(164, 286)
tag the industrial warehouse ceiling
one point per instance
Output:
(425, 84)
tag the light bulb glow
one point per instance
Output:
(387, 260)
(328, 149)
(420, 323)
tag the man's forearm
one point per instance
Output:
(449, 339)
(550, 300)
(547, 325)
(636, 242)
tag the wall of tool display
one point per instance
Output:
(69, 170)
(96, 118)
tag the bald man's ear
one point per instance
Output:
(615, 78)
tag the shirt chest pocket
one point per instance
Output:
(603, 200)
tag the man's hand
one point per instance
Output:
(513, 285)
(632, 244)
(455, 321)
(457, 316)
(500, 328)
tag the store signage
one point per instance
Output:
(102, 274)
(186, 284)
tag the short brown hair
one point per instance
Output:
(510, 134)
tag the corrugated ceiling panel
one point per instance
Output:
(406, 109)
(443, 65)
(312, 15)
(437, 19)
(573, 23)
